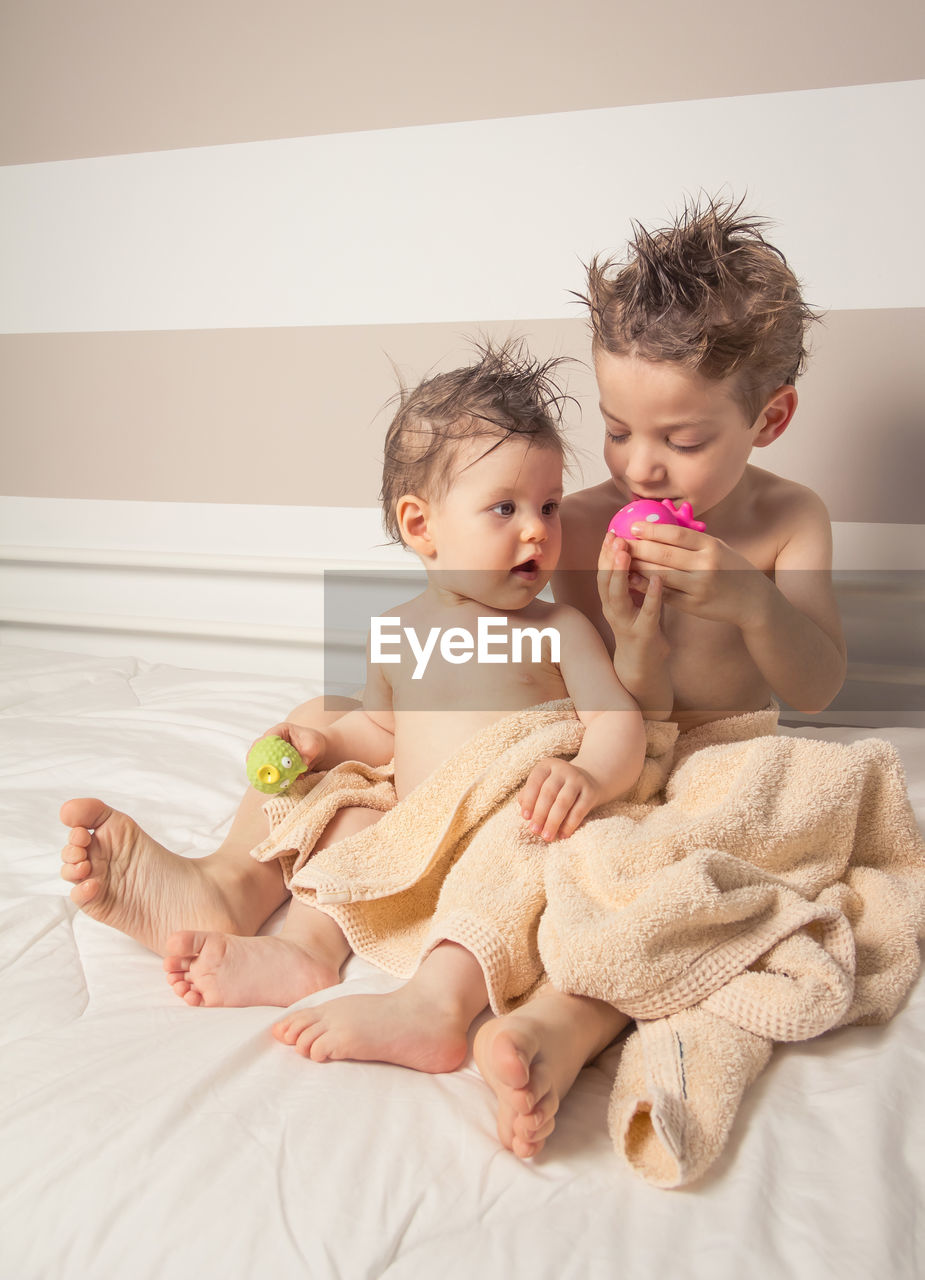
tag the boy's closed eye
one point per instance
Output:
(677, 448)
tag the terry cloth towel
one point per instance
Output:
(453, 861)
(774, 890)
(753, 888)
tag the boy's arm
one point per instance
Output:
(630, 630)
(559, 793)
(790, 626)
(794, 635)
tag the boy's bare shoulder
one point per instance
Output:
(786, 509)
(596, 498)
(585, 516)
(776, 494)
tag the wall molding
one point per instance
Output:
(229, 611)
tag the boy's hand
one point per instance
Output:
(641, 651)
(310, 743)
(699, 574)
(631, 615)
(556, 796)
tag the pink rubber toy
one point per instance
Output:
(645, 511)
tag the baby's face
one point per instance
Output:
(670, 432)
(496, 532)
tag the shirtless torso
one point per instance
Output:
(712, 672)
(434, 715)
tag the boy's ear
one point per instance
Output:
(776, 414)
(412, 515)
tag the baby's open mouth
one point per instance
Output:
(528, 570)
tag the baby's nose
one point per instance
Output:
(533, 530)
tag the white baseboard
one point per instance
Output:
(199, 585)
(242, 588)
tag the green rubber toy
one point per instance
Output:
(273, 764)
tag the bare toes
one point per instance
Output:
(74, 872)
(84, 892)
(289, 1029)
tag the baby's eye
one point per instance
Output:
(684, 448)
(615, 439)
(504, 508)
(550, 508)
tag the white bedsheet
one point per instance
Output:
(142, 1138)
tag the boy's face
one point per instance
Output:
(671, 433)
(496, 533)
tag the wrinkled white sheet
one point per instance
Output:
(142, 1138)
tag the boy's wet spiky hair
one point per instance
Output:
(707, 292)
(507, 393)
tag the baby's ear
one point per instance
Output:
(412, 515)
(775, 417)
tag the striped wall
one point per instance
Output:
(221, 223)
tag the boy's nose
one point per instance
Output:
(533, 530)
(643, 468)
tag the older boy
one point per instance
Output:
(697, 340)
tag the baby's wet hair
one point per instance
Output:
(708, 292)
(506, 394)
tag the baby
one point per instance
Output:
(472, 483)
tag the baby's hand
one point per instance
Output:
(556, 796)
(310, 743)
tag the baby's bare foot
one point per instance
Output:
(398, 1027)
(221, 969)
(124, 878)
(509, 1055)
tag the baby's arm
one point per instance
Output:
(366, 734)
(559, 793)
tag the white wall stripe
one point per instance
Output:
(460, 222)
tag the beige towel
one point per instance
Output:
(453, 861)
(754, 888)
(776, 891)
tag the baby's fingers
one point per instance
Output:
(556, 800)
(278, 731)
(532, 787)
(575, 816)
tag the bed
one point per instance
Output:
(145, 1138)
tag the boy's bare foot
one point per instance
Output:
(124, 878)
(222, 969)
(531, 1058)
(398, 1027)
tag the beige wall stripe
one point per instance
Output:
(292, 416)
(101, 78)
